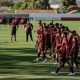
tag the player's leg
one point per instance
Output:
(31, 37)
(44, 51)
(55, 58)
(76, 62)
(70, 62)
(49, 46)
(38, 55)
(27, 36)
(50, 53)
(15, 35)
(53, 55)
(59, 66)
(12, 33)
(44, 57)
(11, 37)
(61, 61)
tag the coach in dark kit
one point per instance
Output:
(13, 27)
(28, 28)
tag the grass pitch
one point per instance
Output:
(16, 58)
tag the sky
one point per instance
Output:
(17, 0)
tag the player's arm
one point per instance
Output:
(67, 48)
(78, 39)
(73, 45)
(10, 26)
(17, 27)
(24, 25)
(31, 26)
(40, 39)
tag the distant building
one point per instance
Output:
(13, 1)
(78, 2)
(55, 3)
(5, 1)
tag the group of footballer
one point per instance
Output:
(61, 43)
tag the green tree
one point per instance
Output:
(70, 5)
(33, 4)
(17, 6)
(24, 5)
(45, 4)
(69, 2)
(37, 4)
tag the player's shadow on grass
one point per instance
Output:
(10, 56)
(5, 42)
(19, 61)
(19, 50)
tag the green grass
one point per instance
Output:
(16, 58)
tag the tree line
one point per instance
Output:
(68, 5)
(32, 4)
